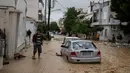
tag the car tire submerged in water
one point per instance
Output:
(67, 58)
(61, 53)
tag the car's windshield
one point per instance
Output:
(83, 45)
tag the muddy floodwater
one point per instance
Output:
(114, 60)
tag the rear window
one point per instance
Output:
(83, 45)
(73, 39)
(65, 40)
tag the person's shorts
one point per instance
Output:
(37, 48)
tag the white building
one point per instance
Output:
(31, 25)
(35, 14)
(35, 9)
(103, 16)
(13, 19)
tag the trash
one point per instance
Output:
(18, 56)
(58, 54)
(5, 62)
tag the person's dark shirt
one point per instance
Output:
(37, 39)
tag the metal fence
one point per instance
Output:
(2, 47)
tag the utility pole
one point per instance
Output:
(100, 11)
(49, 13)
(53, 4)
(45, 11)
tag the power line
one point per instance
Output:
(60, 4)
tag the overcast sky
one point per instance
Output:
(66, 4)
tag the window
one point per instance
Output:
(31, 22)
(101, 33)
(83, 45)
(64, 41)
(105, 32)
(95, 17)
(105, 15)
(40, 17)
(106, 3)
(39, 11)
(68, 44)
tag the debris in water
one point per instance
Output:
(58, 54)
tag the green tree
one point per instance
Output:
(82, 27)
(42, 27)
(70, 19)
(54, 26)
(122, 8)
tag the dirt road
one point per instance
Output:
(114, 60)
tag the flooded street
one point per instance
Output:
(114, 60)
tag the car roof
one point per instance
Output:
(80, 41)
(70, 37)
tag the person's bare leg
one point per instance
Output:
(34, 53)
(39, 55)
(39, 51)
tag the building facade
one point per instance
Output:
(35, 9)
(103, 16)
(12, 19)
(31, 25)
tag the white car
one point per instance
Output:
(51, 34)
(69, 38)
(80, 51)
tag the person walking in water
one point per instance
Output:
(113, 38)
(37, 42)
(29, 34)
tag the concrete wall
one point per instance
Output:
(105, 15)
(108, 33)
(2, 19)
(30, 25)
(12, 35)
(33, 7)
(7, 3)
(15, 24)
(1, 63)
(21, 6)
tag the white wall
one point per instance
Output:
(7, 3)
(102, 34)
(2, 18)
(11, 33)
(1, 63)
(31, 26)
(12, 24)
(105, 15)
(21, 6)
(33, 9)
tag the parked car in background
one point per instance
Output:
(51, 34)
(80, 51)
